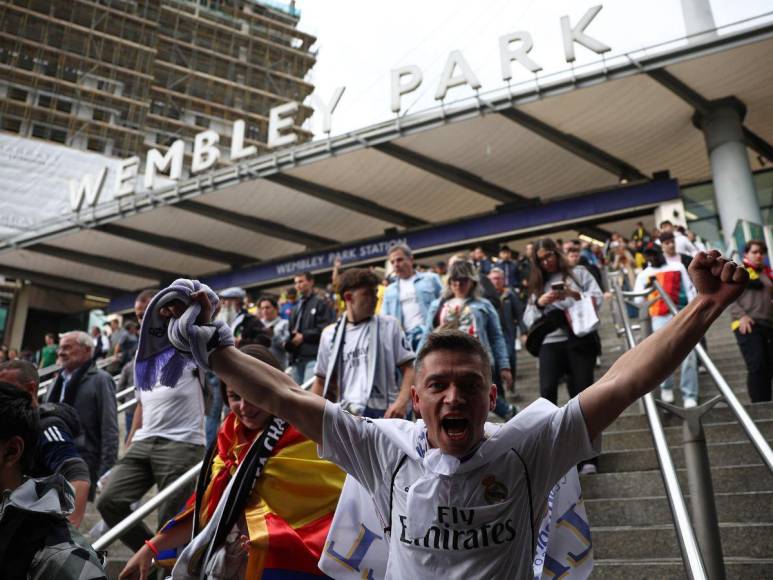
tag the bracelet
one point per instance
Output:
(152, 548)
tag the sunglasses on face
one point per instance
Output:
(546, 257)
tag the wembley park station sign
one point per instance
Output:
(513, 48)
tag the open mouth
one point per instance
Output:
(455, 427)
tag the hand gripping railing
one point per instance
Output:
(752, 431)
(688, 544)
(142, 512)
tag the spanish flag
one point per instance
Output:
(289, 510)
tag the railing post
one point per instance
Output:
(704, 509)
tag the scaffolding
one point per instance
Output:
(119, 77)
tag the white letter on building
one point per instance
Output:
(447, 78)
(88, 188)
(327, 108)
(399, 88)
(205, 151)
(280, 118)
(172, 162)
(238, 150)
(127, 173)
(521, 54)
(577, 34)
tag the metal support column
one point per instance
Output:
(704, 509)
(734, 189)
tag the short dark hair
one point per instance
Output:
(291, 291)
(26, 370)
(400, 247)
(51, 335)
(270, 299)
(307, 275)
(357, 278)
(454, 341)
(146, 295)
(19, 418)
(666, 237)
(665, 223)
(131, 325)
(751, 243)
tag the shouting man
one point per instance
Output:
(452, 500)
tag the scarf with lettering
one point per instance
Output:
(166, 345)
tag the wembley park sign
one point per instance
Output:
(513, 48)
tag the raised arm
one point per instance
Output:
(718, 283)
(259, 383)
(270, 389)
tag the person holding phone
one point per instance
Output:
(555, 285)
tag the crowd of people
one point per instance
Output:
(424, 343)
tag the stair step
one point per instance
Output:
(742, 507)
(673, 569)
(654, 542)
(720, 454)
(641, 438)
(649, 483)
(721, 413)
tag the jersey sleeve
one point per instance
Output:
(358, 447)
(58, 453)
(323, 354)
(400, 345)
(557, 439)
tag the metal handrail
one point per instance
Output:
(752, 431)
(688, 544)
(140, 513)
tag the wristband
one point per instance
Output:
(151, 546)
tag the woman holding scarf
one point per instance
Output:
(753, 322)
(275, 527)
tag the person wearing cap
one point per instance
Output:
(247, 328)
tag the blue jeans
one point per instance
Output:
(303, 370)
(688, 381)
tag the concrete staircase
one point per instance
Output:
(632, 527)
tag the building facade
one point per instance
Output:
(119, 77)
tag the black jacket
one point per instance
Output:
(91, 392)
(315, 315)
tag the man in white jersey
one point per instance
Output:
(409, 296)
(459, 499)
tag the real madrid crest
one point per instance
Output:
(496, 492)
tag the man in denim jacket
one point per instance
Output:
(409, 296)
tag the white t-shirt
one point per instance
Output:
(393, 352)
(175, 413)
(485, 521)
(409, 306)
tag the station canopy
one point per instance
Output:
(528, 155)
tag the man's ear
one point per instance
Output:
(347, 296)
(13, 451)
(415, 400)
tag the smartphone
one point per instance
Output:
(557, 286)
